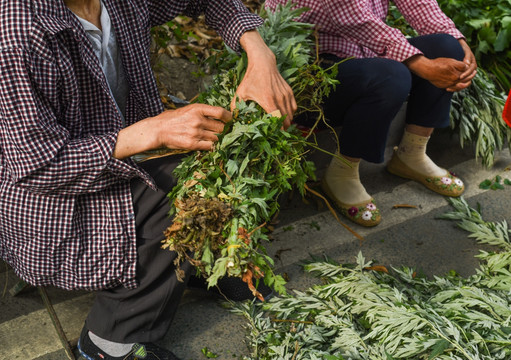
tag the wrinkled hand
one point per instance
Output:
(262, 82)
(471, 70)
(444, 73)
(193, 127)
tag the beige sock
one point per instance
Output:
(412, 151)
(344, 182)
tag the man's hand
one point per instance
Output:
(262, 82)
(471, 71)
(444, 73)
(193, 127)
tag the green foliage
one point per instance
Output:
(253, 162)
(487, 26)
(497, 183)
(358, 313)
(476, 114)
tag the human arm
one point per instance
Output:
(445, 73)
(426, 17)
(54, 145)
(236, 25)
(193, 127)
(362, 26)
(262, 82)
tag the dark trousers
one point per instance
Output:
(144, 314)
(372, 90)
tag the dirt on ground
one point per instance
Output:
(179, 47)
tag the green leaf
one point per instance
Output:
(496, 186)
(439, 348)
(208, 353)
(485, 184)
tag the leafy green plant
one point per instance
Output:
(487, 26)
(225, 197)
(361, 313)
(497, 183)
(476, 113)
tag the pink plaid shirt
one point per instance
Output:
(357, 28)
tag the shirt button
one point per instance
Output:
(131, 216)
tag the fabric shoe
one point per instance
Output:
(447, 185)
(147, 351)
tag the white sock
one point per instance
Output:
(111, 348)
(412, 151)
(344, 182)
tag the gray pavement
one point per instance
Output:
(407, 236)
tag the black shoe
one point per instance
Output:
(147, 351)
(232, 288)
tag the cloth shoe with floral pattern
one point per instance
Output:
(447, 185)
(365, 213)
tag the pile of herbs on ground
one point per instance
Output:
(224, 198)
(359, 313)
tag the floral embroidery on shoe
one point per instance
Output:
(371, 206)
(367, 215)
(366, 212)
(446, 180)
(448, 183)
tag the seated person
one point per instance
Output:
(77, 100)
(384, 70)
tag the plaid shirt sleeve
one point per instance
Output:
(39, 153)
(426, 17)
(357, 27)
(355, 21)
(230, 18)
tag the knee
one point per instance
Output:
(394, 83)
(441, 45)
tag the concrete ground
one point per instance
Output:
(407, 236)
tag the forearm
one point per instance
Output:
(256, 49)
(135, 139)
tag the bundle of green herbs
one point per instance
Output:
(370, 312)
(225, 197)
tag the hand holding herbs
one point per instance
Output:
(224, 198)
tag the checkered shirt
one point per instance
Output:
(357, 28)
(66, 212)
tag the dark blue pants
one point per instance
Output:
(372, 90)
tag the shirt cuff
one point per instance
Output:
(401, 51)
(126, 169)
(237, 26)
